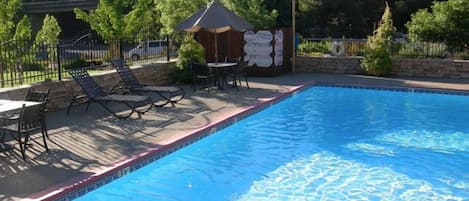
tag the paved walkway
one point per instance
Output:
(85, 143)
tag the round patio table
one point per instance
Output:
(220, 72)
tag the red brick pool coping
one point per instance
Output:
(84, 183)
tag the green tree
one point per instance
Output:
(402, 10)
(283, 9)
(48, 36)
(377, 60)
(10, 48)
(337, 18)
(253, 11)
(448, 23)
(143, 21)
(21, 52)
(50, 31)
(8, 12)
(174, 12)
(23, 29)
(108, 20)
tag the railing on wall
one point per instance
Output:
(400, 48)
(26, 62)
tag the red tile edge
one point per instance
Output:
(81, 181)
(388, 87)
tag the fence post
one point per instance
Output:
(121, 54)
(2, 64)
(427, 50)
(168, 49)
(59, 65)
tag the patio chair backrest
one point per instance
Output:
(87, 83)
(126, 74)
(199, 69)
(37, 96)
(31, 117)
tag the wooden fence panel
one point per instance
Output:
(231, 43)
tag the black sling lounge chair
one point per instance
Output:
(95, 94)
(169, 94)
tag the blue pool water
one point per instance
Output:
(324, 143)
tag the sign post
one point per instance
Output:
(293, 5)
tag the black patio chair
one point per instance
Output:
(94, 93)
(170, 94)
(39, 96)
(241, 72)
(30, 119)
(201, 76)
(31, 95)
(234, 71)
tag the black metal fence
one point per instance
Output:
(400, 48)
(25, 62)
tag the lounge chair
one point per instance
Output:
(169, 94)
(94, 93)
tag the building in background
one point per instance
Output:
(62, 10)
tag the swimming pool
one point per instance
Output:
(326, 143)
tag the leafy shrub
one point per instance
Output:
(314, 47)
(182, 75)
(32, 67)
(189, 51)
(78, 63)
(377, 59)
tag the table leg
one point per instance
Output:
(223, 78)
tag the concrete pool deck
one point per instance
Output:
(88, 143)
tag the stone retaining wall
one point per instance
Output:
(61, 92)
(342, 65)
(435, 68)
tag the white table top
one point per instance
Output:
(11, 105)
(221, 65)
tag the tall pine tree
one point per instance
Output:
(377, 59)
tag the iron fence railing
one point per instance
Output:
(26, 62)
(400, 48)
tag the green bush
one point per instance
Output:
(377, 59)
(32, 67)
(182, 75)
(78, 63)
(189, 51)
(314, 47)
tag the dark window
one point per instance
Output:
(154, 44)
(164, 43)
